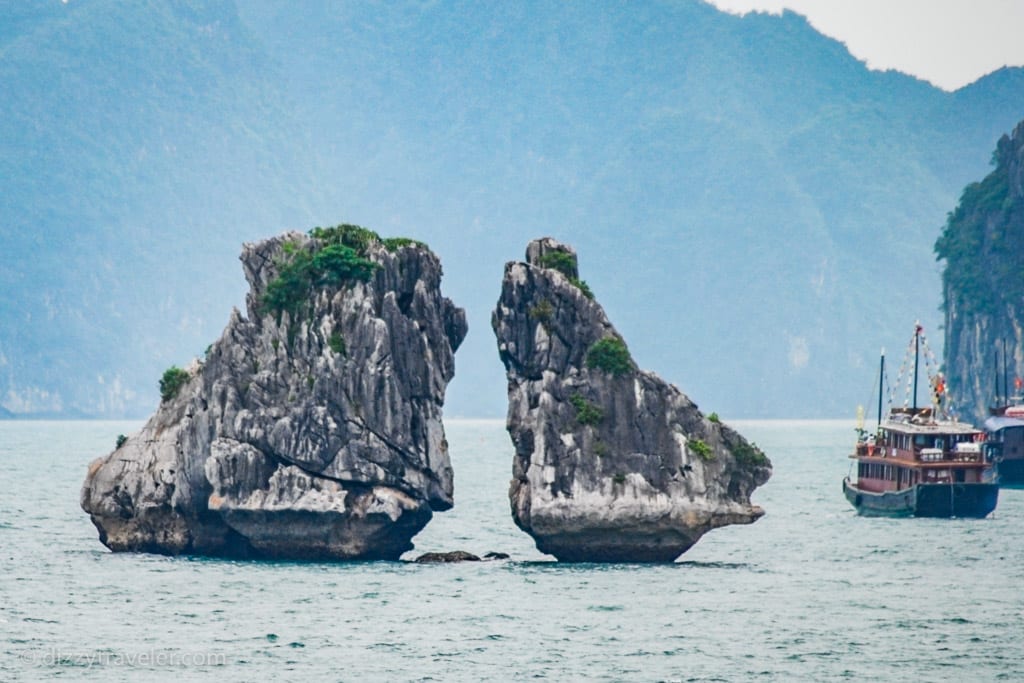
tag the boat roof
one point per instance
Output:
(994, 424)
(936, 427)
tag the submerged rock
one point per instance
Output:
(451, 556)
(612, 464)
(459, 556)
(312, 428)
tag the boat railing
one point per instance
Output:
(962, 452)
(970, 453)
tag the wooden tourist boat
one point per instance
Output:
(916, 464)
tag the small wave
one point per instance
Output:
(715, 565)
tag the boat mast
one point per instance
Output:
(881, 374)
(917, 353)
(1006, 383)
(995, 358)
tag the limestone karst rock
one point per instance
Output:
(611, 463)
(312, 428)
(983, 291)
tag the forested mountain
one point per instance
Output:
(756, 209)
(983, 284)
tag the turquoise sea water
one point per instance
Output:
(810, 592)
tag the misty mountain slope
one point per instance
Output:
(755, 208)
(138, 150)
(750, 191)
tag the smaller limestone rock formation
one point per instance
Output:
(611, 463)
(312, 428)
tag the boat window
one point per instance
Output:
(938, 443)
(921, 440)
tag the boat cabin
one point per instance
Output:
(1005, 437)
(912, 448)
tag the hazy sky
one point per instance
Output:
(947, 42)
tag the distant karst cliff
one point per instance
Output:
(611, 463)
(312, 428)
(983, 283)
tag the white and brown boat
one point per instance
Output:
(920, 464)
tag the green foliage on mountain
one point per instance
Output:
(983, 240)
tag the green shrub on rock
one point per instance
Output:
(336, 258)
(542, 312)
(355, 237)
(289, 291)
(393, 244)
(562, 261)
(171, 383)
(336, 264)
(582, 286)
(587, 413)
(337, 344)
(610, 355)
(566, 264)
(750, 455)
(702, 449)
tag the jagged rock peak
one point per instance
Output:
(312, 427)
(611, 463)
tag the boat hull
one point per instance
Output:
(1011, 472)
(925, 500)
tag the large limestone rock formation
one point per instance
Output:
(982, 245)
(611, 463)
(312, 428)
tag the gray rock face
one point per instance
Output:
(313, 433)
(611, 463)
